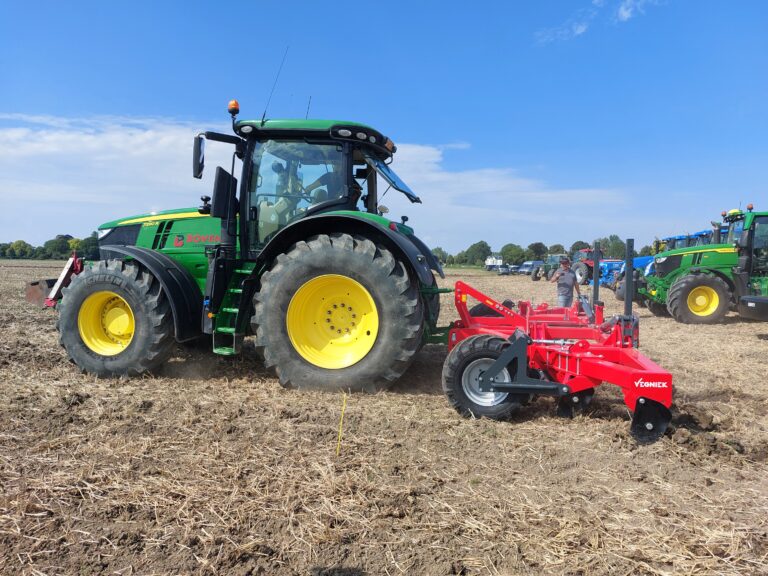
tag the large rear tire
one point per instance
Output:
(115, 320)
(536, 274)
(551, 272)
(699, 299)
(582, 273)
(338, 312)
(461, 370)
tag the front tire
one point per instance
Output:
(699, 299)
(536, 274)
(338, 312)
(115, 320)
(657, 308)
(461, 370)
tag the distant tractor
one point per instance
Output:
(548, 268)
(584, 265)
(699, 285)
(301, 256)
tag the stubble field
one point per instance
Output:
(211, 468)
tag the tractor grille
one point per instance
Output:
(671, 264)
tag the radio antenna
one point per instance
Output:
(277, 77)
(308, 105)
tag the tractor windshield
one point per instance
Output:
(735, 229)
(389, 175)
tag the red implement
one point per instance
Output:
(498, 362)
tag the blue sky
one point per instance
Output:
(516, 121)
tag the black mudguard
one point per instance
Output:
(419, 258)
(178, 284)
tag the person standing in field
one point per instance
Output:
(566, 283)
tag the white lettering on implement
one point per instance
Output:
(640, 383)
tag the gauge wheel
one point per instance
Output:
(461, 372)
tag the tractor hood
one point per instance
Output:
(699, 256)
(177, 214)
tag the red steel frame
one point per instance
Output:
(586, 355)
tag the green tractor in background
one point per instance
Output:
(548, 269)
(699, 285)
(336, 295)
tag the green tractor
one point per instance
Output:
(548, 269)
(699, 285)
(300, 256)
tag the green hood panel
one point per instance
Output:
(179, 213)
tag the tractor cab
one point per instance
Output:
(748, 232)
(293, 169)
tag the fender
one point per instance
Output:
(182, 291)
(399, 245)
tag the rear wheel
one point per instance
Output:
(582, 272)
(619, 292)
(115, 320)
(699, 299)
(551, 273)
(338, 312)
(461, 372)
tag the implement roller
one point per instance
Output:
(499, 359)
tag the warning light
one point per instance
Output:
(233, 107)
(750, 207)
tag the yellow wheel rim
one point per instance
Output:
(105, 322)
(332, 321)
(703, 301)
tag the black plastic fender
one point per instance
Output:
(178, 284)
(401, 246)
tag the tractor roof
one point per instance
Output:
(296, 124)
(336, 129)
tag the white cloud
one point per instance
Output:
(69, 176)
(628, 9)
(581, 20)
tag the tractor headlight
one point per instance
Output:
(103, 232)
(660, 260)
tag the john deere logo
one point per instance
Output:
(178, 241)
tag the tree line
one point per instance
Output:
(58, 248)
(611, 247)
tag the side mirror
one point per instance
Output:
(198, 156)
(224, 203)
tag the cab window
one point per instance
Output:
(287, 179)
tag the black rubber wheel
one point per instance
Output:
(464, 364)
(619, 292)
(551, 272)
(657, 308)
(582, 273)
(536, 274)
(699, 299)
(115, 320)
(338, 312)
